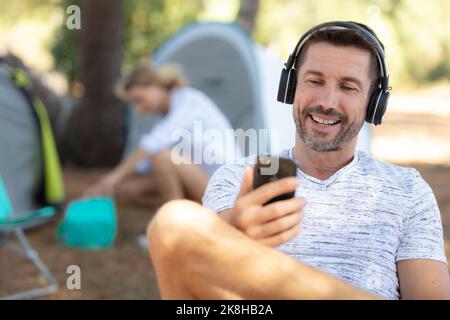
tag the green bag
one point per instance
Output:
(89, 224)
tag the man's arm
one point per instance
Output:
(421, 267)
(423, 279)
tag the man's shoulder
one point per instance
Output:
(391, 173)
(236, 166)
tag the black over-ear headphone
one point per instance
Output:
(379, 97)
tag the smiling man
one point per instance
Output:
(357, 228)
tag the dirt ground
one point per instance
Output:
(125, 271)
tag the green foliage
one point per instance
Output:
(147, 25)
(415, 32)
(150, 23)
(13, 11)
(65, 49)
(422, 39)
(282, 22)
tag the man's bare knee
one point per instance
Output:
(177, 224)
(178, 216)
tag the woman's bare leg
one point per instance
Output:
(138, 189)
(178, 181)
(166, 177)
(194, 180)
(196, 254)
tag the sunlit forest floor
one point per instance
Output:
(125, 271)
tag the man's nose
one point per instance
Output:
(329, 97)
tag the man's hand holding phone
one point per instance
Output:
(270, 223)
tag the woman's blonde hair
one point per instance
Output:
(168, 76)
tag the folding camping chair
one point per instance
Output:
(15, 226)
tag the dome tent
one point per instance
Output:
(29, 163)
(240, 76)
(20, 157)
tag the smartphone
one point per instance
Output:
(270, 168)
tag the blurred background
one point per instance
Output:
(74, 72)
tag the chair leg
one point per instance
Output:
(34, 257)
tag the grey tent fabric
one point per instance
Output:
(240, 76)
(219, 60)
(20, 158)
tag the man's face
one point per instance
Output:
(331, 96)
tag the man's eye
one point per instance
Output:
(316, 82)
(348, 88)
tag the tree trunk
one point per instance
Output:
(95, 133)
(246, 16)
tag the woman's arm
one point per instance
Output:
(109, 182)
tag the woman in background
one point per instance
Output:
(151, 167)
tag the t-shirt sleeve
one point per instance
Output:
(423, 235)
(223, 187)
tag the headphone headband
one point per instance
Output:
(339, 25)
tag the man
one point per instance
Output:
(358, 228)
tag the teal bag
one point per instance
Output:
(89, 224)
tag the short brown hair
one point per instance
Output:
(344, 38)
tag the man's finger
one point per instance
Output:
(275, 227)
(279, 209)
(281, 238)
(272, 189)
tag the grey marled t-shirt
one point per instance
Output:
(358, 223)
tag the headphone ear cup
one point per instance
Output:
(283, 85)
(372, 105)
(287, 85)
(292, 85)
(381, 109)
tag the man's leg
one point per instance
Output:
(197, 255)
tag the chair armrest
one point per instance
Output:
(46, 212)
